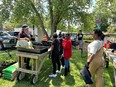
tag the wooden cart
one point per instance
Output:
(37, 62)
(109, 56)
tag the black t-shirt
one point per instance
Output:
(55, 51)
(60, 46)
(23, 35)
(80, 36)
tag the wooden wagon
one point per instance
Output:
(37, 62)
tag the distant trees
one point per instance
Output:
(104, 10)
(48, 14)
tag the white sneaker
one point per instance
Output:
(58, 71)
(52, 75)
(62, 67)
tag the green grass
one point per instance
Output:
(74, 79)
(4, 57)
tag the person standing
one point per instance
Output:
(55, 55)
(80, 39)
(24, 35)
(95, 61)
(67, 46)
(61, 49)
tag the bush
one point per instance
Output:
(87, 37)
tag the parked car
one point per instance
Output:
(6, 40)
(13, 33)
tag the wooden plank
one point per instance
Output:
(37, 62)
(22, 62)
(27, 71)
(115, 76)
(27, 55)
(31, 55)
(41, 65)
(114, 62)
(32, 64)
(112, 57)
(36, 65)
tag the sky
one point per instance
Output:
(0, 2)
(92, 7)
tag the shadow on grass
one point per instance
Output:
(69, 80)
(78, 60)
(44, 80)
(110, 70)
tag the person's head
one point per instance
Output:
(25, 28)
(98, 34)
(60, 34)
(80, 31)
(67, 35)
(55, 36)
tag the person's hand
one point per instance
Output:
(27, 39)
(49, 49)
(87, 65)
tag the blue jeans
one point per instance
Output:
(67, 63)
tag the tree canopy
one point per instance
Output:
(104, 10)
(46, 14)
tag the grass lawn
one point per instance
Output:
(74, 79)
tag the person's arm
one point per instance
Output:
(19, 36)
(52, 47)
(92, 52)
(90, 58)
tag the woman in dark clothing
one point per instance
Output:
(24, 36)
(55, 55)
(61, 50)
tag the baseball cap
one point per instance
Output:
(24, 26)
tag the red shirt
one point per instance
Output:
(107, 44)
(67, 46)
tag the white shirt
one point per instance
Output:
(94, 46)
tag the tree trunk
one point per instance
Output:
(68, 26)
(51, 17)
(39, 20)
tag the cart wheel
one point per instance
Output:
(33, 79)
(20, 76)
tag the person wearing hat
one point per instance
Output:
(24, 35)
(55, 55)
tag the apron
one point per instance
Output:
(96, 68)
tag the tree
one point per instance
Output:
(53, 11)
(103, 10)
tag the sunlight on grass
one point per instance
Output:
(74, 79)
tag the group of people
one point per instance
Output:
(61, 50)
(94, 60)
